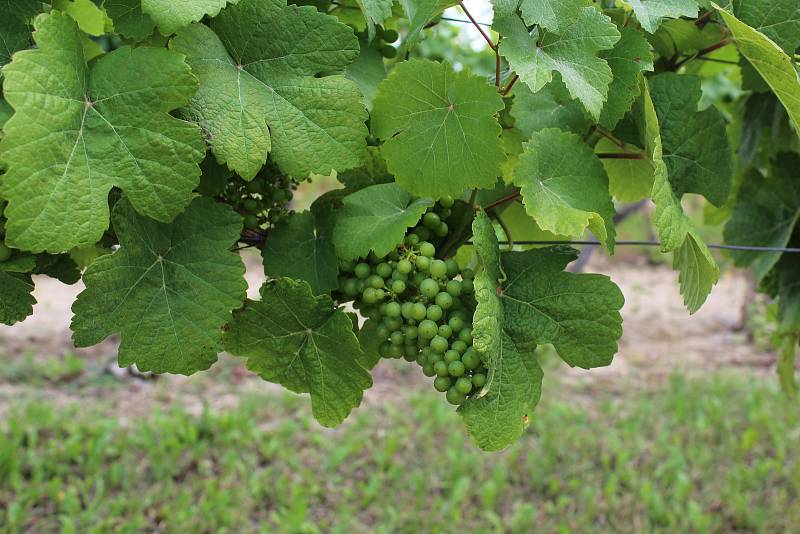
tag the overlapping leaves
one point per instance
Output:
(70, 117)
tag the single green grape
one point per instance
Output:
(427, 329)
(395, 351)
(442, 230)
(444, 300)
(350, 287)
(455, 397)
(419, 311)
(392, 323)
(445, 331)
(434, 312)
(423, 263)
(427, 370)
(251, 205)
(467, 287)
(362, 270)
(411, 239)
(438, 269)
(429, 288)
(390, 36)
(375, 281)
(471, 359)
(431, 220)
(410, 353)
(369, 295)
(388, 51)
(412, 332)
(427, 249)
(464, 385)
(442, 383)
(384, 270)
(407, 309)
(454, 288)
(479, 379)
(398, 286)
(440, 368)
(466, 335)
(392, 309)
(451, 356)
(456, 323)
(455, 368)
(452, 267)
(468, 274)
(423, 233)
(404, 266)
(458, 346)
(439, 344)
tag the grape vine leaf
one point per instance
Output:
(420, 13)
(14, 35)
(5, 112)
(22, 10)
(257, 65)
(550, 107)
(168, 290)
(695, 143)
(172, 15)
(304, 343)
(650, 13)
(129, 19)
(572, 53)
(497, 416)
(441, 133)
(300, 247)
(766, 213)
(376, 218)
(577, 313)
(370, 344)
(777, 19)
(698, 270)
(90, 17)
(770, 61)
(368, 70)
(69, 117)
(375, 12)
(552, 15)
(564, 186)
(630, 56)
(16, 299)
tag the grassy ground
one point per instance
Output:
(707, 454)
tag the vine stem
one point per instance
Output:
(506, 230)
(620, 155)
(462, 234)
(509, 85)
(500, 201)
(702, 52)
(478, 26)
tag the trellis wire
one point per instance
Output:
(753, 248)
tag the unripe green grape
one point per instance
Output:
(407, 309)
(438, 269)
(251, 222)
(452, 267)
(397, 275)
(429, 288)
(421, 359)
(440, 368)
(417, 278)
(398, 286)
(380, 294)
(467, 287)
(467, 274)
(412, 332)
(419, 311)
(411, 239)
(375, 281)
(347, 266)
(444, 300)
(410, 353)
(471, 359)
(388, 51)
(464, 385)
(431, 221)
(424, 234)
(455, 368)
(390, 35)
(384, 270)
(427, 329)
(250, 204)
(456, 323)
(392, 323)
(382, 332)
(383, 349)
(442, 230)
(423, 263)
(455, 397)
(350, 287)
(392, 309)
(451, 356)
(466, 335)
(427, 249)
(445, 331)
(479, 380)
(369, 295)
(434, 312)
(454, 288)
(447, 201)
(395, 351)
(445, 213)
(433, 357)
(459, 346)
(442, 383)
(362, 270)
(439, 344)
(427, 370)
(404, 266)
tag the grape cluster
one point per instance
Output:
(263, 201)
(382, 41)
(423, 306)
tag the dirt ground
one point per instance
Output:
(659, 338)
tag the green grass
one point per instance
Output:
(715, 454)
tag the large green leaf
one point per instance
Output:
(630, 56)
(302, 342)
(439, 126)
(78, 131)
(375, 12)
(552, 15)
(577, 313)
(770, 61)
(572, 53)
(260, 67)
(698, 270)
(420, 13)
(376, 218)
(694, 143)
(168, 290)
(766, 212)
(564, 186)
(172, 15)
(650, 13)
(14, 36)
(629, 180)
(368, 70)
(90, 17)
(777, 19)
(550, 107)
(300, 247)
(16, 300)
(129, 20)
